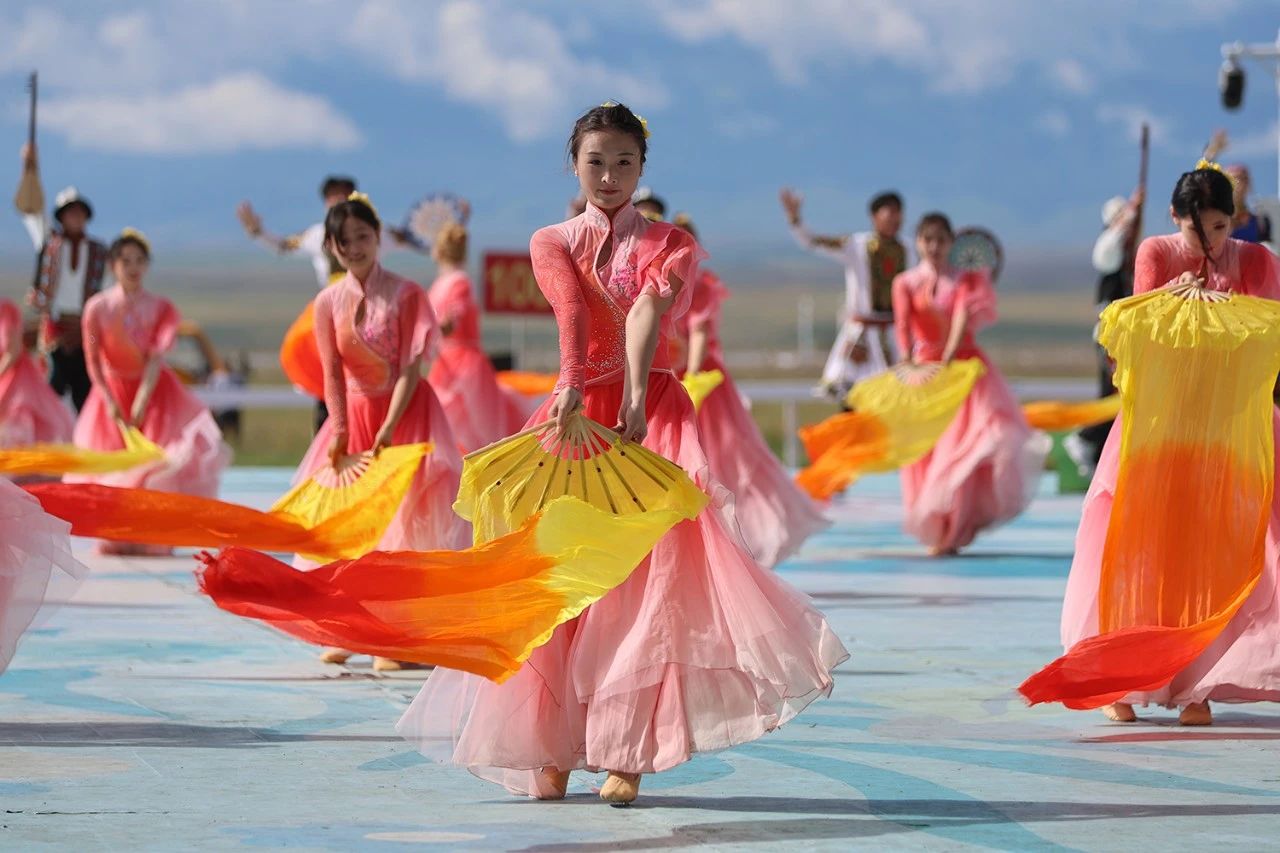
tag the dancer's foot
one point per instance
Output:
(550, 784)
(387, 665)
(1119, 712)
(620, 789)
(1196, 714)
(335, 656)
(939, 551)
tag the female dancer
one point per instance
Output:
(127, 331)
(774, 515)
(1241, 665)
(479, 410)
(984, 470)
(35, 556)
(700, 648)
(374, 329)
(30, 412)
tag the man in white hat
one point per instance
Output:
(1114, 254)
(69, 270)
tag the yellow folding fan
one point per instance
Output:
(507, 482)
(701, 384)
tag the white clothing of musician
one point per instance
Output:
(310, 242)
(864, 345)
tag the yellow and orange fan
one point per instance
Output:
(364, 490)
(1057, 416)
(897, 418)
(700, 385)
(52, 460)
(336, 514)
(506, 483)
(1186, 540)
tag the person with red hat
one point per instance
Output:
(69, 270)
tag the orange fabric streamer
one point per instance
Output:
(482, 610)
(177, 520)
(53, 460)
(1185, 541)
(842, 447)
(299, 355)
(1053, 416)
(528, 384)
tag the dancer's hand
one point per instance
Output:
(568, 401)
(337, 448)
(791, 201)
(632, 423)
(382, 439)
(249, 219)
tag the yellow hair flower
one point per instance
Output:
(644, 123)
(135, 234)
(1208, 164)
(363, 199)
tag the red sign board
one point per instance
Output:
(509, 285)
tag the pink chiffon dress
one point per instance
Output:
(773, 514)
(1243, 663)
(985, 469)
(480, 411)
(30, 413)
(36, 565)
(122, 333)
(700, 648)
(367, 334)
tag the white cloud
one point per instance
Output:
(1132, 117)
(234, 112)
(509, 61)
(1054, 123)
(1071, 76)
(1261, 143)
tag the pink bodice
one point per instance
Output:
(1245, 268)
(926, 303)
(123, 332)
(367, 334)
(591, 301)
(453, 302)
(705, 311)
(10, 324)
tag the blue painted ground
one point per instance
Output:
(140, 718)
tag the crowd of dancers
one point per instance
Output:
(702, 646)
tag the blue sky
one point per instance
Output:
(1014, 114)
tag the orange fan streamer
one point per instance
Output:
(482, 610)
(1053, 416)
(58, 459)
(528, 384)
(1185, 542)
(314, 520)
(299, 355)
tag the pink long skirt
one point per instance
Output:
(700, 649)
(480, 411)
(30, 412)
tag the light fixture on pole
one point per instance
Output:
(1231, 76)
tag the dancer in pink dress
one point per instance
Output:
(30, 412)
(480, 410)
(374, 329)
(127, 331)
(774, 515)
(35, 564)
(1243, 663)
(700, 649)
(984, 470)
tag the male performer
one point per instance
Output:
(69, 269)
(864, 341)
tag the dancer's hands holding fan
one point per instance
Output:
(568, 401)
(633, 424)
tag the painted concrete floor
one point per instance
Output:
(141, 718)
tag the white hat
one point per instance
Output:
(68, 197)
(1113, 208)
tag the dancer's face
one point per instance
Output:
(130, 266)
(1217, 227)
(934, 244)
(357, 247)
(887, 221)
(608, 168)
